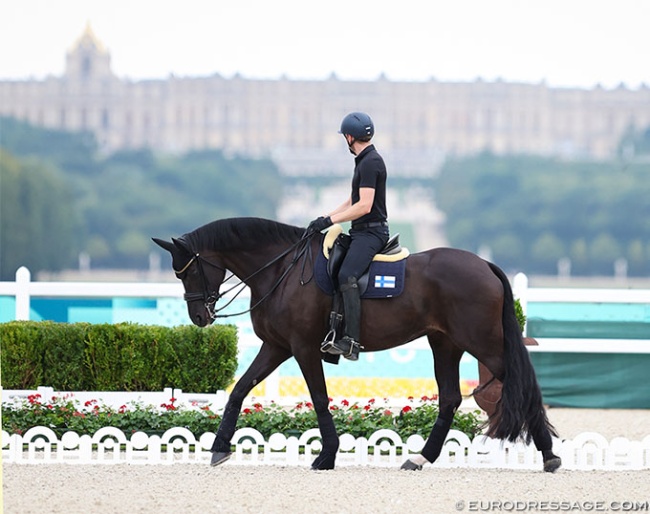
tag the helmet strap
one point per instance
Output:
(350, 144)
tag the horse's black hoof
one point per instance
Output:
(219, 458)
(551, 465)
(409, 465)
(324, 461)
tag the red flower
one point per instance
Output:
(367, 407)
(247, 411)
(387, 412)
(172, 400)
(407, 408)
(345, 403)
(410, 398)
(334, 407)
(258, 407)
(299, 405)
(122, 409)
(309, 405)
(371, 401)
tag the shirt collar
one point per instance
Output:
(363, 153)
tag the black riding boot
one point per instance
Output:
(348, 345)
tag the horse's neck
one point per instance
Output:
(256, 266)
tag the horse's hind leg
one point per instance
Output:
(266, 361)
(446, 363)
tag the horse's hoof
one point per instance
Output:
(552, 464)
(219, 458)
(409, 465)
(323, 462)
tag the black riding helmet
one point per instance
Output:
(359, 125)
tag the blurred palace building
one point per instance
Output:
(295, 122)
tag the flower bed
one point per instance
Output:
(63, 413)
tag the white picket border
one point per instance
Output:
(384, 448)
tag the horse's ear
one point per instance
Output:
(165, 245)
(180, 244)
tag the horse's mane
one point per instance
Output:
(241, 234)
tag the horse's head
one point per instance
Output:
(201, 279)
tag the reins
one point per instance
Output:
(302, 250)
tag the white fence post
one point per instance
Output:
(520, 291)
(23, 280)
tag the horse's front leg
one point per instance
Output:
(310, 363)
(267, 360)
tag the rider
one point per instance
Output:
(366, 209)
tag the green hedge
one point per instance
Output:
(117, 357)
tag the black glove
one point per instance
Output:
(320, 223)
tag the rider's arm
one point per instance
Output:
(355, 211)
(345, 205)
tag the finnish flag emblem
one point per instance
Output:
(384, 281)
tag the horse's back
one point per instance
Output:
(454, 274)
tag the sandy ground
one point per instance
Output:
(191, 488)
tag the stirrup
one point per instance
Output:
(328, 342)
(347, 347)
(353, 353)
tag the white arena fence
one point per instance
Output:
(109, 445)
(384, 448)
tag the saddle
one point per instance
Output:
(383, 279)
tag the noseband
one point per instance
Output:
(208, 297)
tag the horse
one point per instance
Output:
(459, 301)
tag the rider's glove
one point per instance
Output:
(320, 223)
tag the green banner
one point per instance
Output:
(594, 380)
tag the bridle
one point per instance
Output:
(211, 297)
(208, 297)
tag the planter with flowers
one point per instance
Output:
(63, 413)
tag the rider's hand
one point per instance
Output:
(320, 223)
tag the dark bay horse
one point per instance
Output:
(459, 301)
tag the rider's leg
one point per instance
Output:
(348, 346)
(363, 247)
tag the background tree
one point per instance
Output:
(532, 211)
(119, 201)
(37, 216)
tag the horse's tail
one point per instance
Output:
(520, 411)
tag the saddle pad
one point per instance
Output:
(385, 279)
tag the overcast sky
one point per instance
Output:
(564, 42)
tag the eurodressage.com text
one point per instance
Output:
(552, 506)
